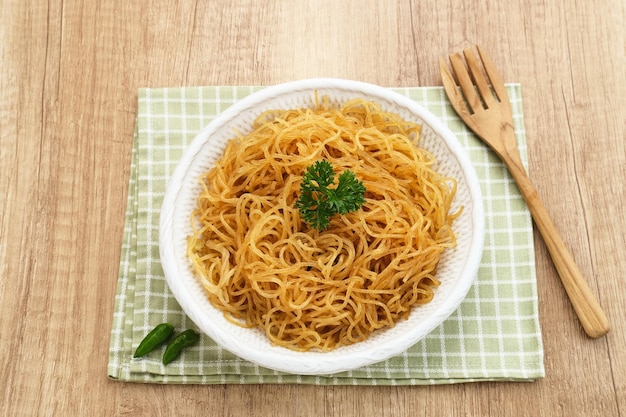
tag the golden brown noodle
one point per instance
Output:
(264, 267)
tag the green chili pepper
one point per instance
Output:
(178, 343)
(154, 339)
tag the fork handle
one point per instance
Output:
(589, 312)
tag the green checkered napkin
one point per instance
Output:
(494, 335)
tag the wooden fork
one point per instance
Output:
(484, 106)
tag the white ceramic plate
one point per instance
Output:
(457, 268)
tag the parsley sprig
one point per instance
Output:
(318, 203)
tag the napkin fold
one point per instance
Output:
(494, 335)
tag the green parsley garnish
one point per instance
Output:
(318, 203)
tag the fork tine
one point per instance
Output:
(465, 82)
(478, 77)
(494, 76)
(449, 85)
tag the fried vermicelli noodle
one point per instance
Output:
(308, 289)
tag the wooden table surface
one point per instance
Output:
(70, 71)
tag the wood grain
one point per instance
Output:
(69, 74)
